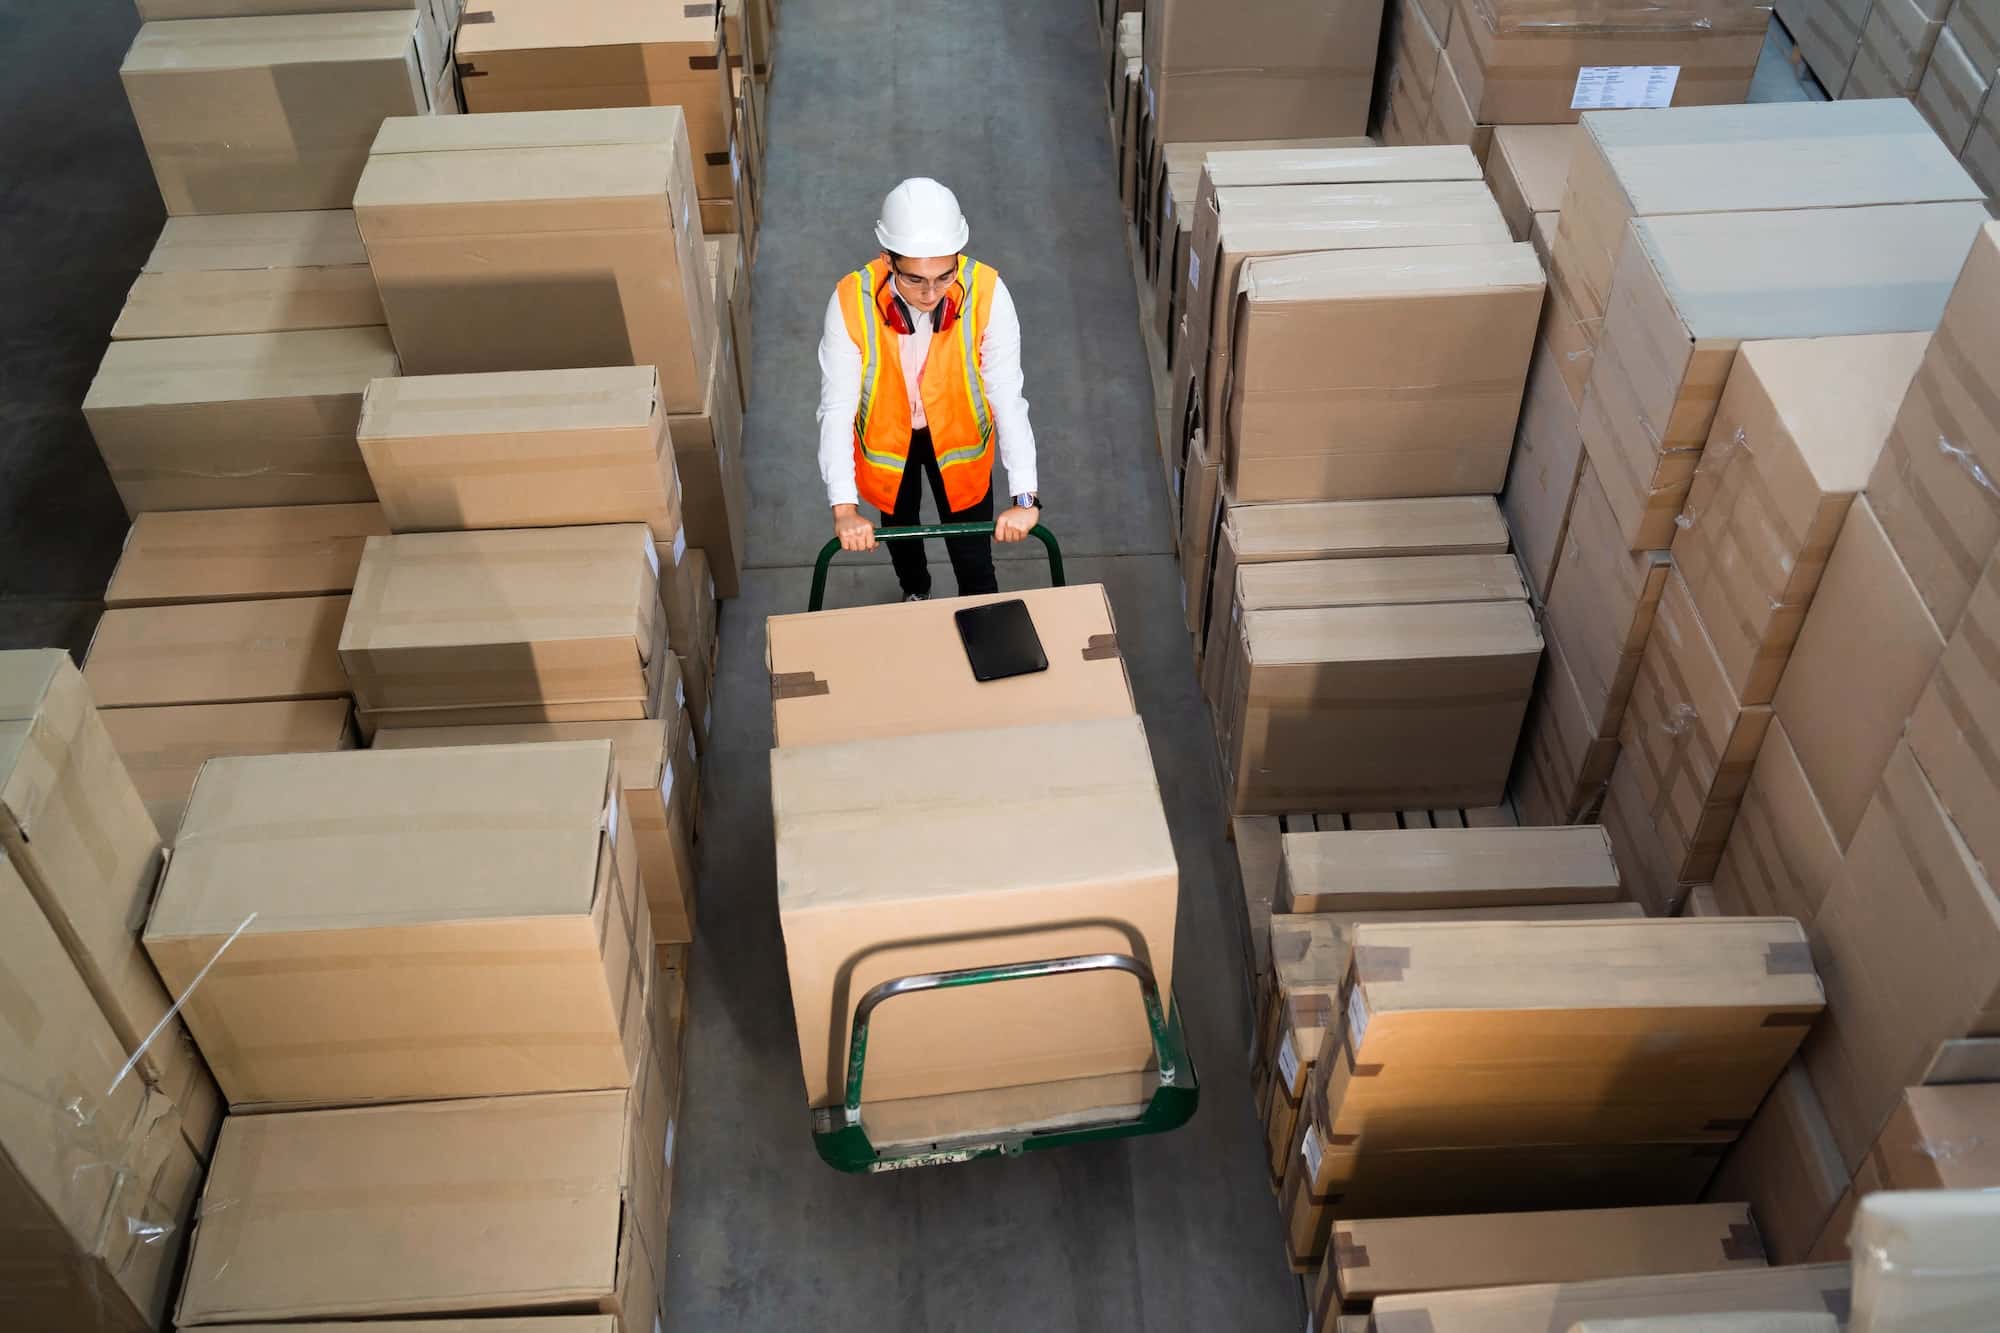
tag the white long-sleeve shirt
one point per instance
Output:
(999, 365)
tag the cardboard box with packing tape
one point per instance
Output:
(1263, 70)
(829, 682)
(1810, 1296)
(252, 273)
(218, 653)
(164, 748)
(230, 555)
(528, 449)
(498, 886)
(518, 625)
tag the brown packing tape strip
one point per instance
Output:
(1789, 1020)
(1973, 636)
(797, 685)
(1380, 962)
(1346, 1254)
(704, 62)
(1743, 1244)
(1101, 648)
(467, 70)
(716, 159)
(698, 11)
(477, 16)
(1403, 1321)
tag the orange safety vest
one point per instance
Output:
(951, 386)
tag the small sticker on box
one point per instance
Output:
(670, 1145)
(1309, 1148)
(1288, 1062)
(735, 167)
(667, 783)
(611, 818)
(1623, 87)
(653, 557)
(1309, 1321)
(1357, 1018)
(680, 545)
(1194, 272)
(680, 692)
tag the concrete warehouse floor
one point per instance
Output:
(1003, 102)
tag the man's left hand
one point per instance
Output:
(1015, 524)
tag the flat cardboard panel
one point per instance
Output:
(1407, 580)
(1528, 169)
(1799, 427)
(1543, 471)
(1092, 871)
(1689, 288)
(1732, 159)
(1955, 724)
(1373, 1258)
(164, 748)
(408, 925)
(228, 555)
(870, 672)
(1909, 942)
(1933, 487)
(231, 421)
(252, 273)
(1787, 1167)
(269, 114)
(1458, 319)
(1864, 654)
(1812, 1289)
(98, 1197)
(1781, 854)
(530, 449)
(1370, 708)
(1601, 604)
(314, 1196)
(1589, 1032)
(502, 619)
(218, 652)
(1458, 867)
(470, 224)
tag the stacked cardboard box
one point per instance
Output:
(252, 273)
(520, 625)
(1375, 1259)
(1827, 34)
(1127, 60)
(1265, 70)
(1091, 872)
(525, 56)
(1937, 1139)
(1648, 1044)
(1925, 1260)
(1943, 54)
(275, 112)
(1767, 1300)
(508, 983)
(108, 1110)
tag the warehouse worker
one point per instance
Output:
(920, 371)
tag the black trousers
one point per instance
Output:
(971, 557)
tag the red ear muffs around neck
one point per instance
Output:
(898, 316)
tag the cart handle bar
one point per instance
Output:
(832, 548)
(1149, 992)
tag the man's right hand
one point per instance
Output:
(855, 532)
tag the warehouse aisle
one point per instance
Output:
(1176, 1232)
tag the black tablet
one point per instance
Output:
(1000, 640)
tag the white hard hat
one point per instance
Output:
(920, 218)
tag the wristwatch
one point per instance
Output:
(1027, 500)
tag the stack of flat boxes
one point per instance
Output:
(1065, 778)
(1454, 70)
(1943, 54)
(410, 1001)
(1671, 224)
(1868, 815)
(109, 1113)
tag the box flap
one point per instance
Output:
(1700, 159)
(1323, 166)
(1811, 272)
(1390, 581)
(194, 46)
(513, 586)
(420, 406)
(499, 1204)
(254, 241)
(365, 838)
(1071, 803)
(240, 367)
(598, 127)
(1837, 397)
(1391, 633)
(638, 749)
(1280, 280)
(1464, 524)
